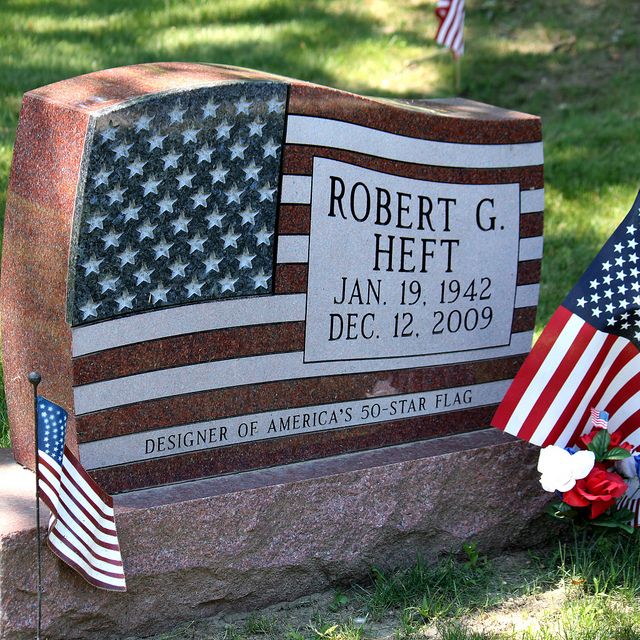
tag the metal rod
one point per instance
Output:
(34, 379)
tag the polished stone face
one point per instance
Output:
(238, 271)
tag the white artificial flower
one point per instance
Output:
(559, 469)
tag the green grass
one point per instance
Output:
(573, 62)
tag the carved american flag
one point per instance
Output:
(180, 202)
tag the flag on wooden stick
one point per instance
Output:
(451, 29)
(82, 529)
(587, 356)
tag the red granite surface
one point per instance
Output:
(40, 205)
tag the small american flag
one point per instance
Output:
(82, 529)
(587, 355)
(599, 419)
(451, 29)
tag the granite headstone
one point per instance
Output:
(217, 270)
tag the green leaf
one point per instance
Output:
(561, 511)
(600, 444)
(617, 453)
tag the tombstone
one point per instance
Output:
(219, 271)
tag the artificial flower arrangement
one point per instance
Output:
(598, 480)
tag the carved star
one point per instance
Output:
(228, 283)
(128, 256)
(146, 230)
(262, 236)
(200, 199)
(177, 269)
(143, 274)
(274, 105)
(260, 280)
(210, 109)
(190, 135)
(245, 259)
(266, 192)
(122, 150)
(150, 186)
(130, 213)
(92, 265)
(159, 294)
(270, 148)
(212, 263)
(125, 300)
(255, 128)
(230, 238)
(204, 154)
(196, 243)
(193, 288)
(143, 122)
(136, 167)
(162, 248)
(184, 179)
(223, 130)
(111, 239)
(248, 216)
(237, 150)
(181, 223)
(108, 134)
(89, 309)
(176, 115)
(233, 194)
(102, 177)
(214, 219)
(108, 284)
(243, 106)
(115, 195)
(156, 142)
(166, 204)
(170, 160)
(95, 222)
(251, 171)
(219, 174)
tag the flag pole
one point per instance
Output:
(458, 74)
(34, 379)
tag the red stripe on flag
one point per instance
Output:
(530, 367)
(616, 366)
(556, 381)
(580, 391)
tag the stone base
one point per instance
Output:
(245, 541)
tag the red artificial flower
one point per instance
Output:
(598, 491)
(615, 440)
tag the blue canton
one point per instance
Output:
(179, 201)
(608, 294)
(52, 427)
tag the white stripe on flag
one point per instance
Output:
(93, 503)
(573, 423)
(87, 548)
(256, 370)
(64, 548)
(293, 249)
(531, 248)
(322, 132)
(566, 392)
(295, 189)
(631, 406)
(191, 318)
(532, 201)
(629, 371)
(67, 509)
(539, 382)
